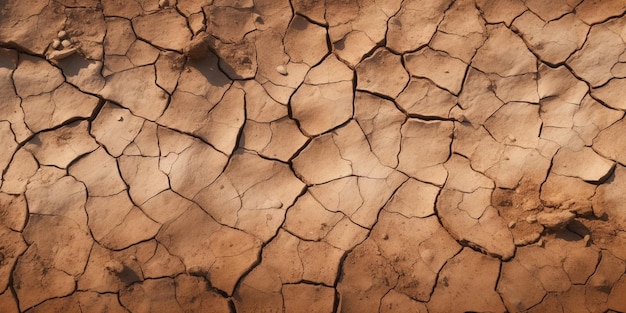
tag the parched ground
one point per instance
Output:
(312, 156)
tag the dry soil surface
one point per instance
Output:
(312, 156)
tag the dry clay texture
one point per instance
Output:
(312, 156)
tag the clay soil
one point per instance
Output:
(312, 156)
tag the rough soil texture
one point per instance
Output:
(312, 156)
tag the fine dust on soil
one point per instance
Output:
(312, 156)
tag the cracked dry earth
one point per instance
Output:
(312, 156)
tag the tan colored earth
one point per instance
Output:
(312, 156)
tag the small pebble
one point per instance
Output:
(62, 34)
(586, 239)
(66, 43)
(531, 219)
(385, 237)
(56, 44)
(120, 119)
(282, 70)
(163, 3)
(511, 224)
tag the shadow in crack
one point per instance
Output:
(128, 276)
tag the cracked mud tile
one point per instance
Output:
(299, 261)
(81, 302)
(206, 248)
(461, 32)
(8, 303)
(502, 11)
(271, 56)
(305, 42)
(563, 268)
(259, 290)
(424, 147)
(63, 196)
(194, 295)
(593, 11)
(260, 106)
(111, 271)
(31, 25)
(561, 84)
(165, 206)
(421, 97)
(61, 146)
(136, 90)
(611, 94)
(146, 142)
(116, 223)
(174, 37)
(414, 25)
(252, 195)
(136, 170)
(569, 31)
(115, 128)
(182, 294)
(553, 10)
(99, 172)
(20, 170)
(584, 164)
(521, 87)
(608, 198)
(616, 301)
(324, 101)
(230, 24)
(82, 73)
(126, 9)
(355, 28)
(473, 275)
(49, 110)
(308, 298)
(205, 93)
(395, 301)
(117, 42)
(169, 66)
(35, 76)
(477, 101)
(369, 72)
(193, 168)
(610, 144)
(57, 254)
(414, 199)
(366, 277)
(13, 211)
(381, 121)
(280, 139)
(524, 132)
(313, 10)
(11, 110)
(605, 41)
(12, 246)
(448, 74)
(513, 59)
(309, 220)
(345, 152)
(416, 256)
(464, 207)
(7, 139)
(520, 290)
